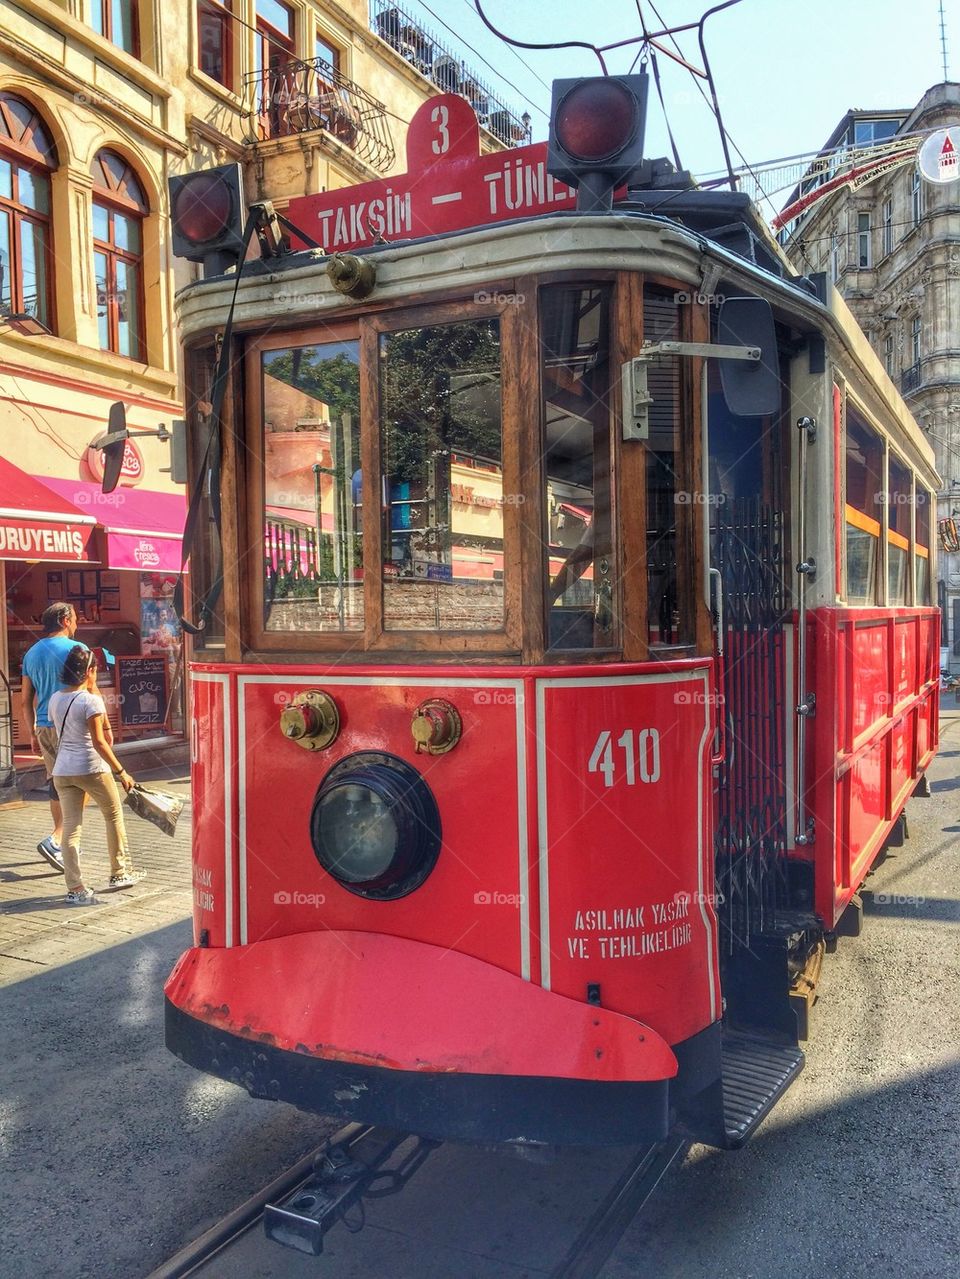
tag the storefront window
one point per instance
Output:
(442, 458)
(864, 508)
(312, 542)
(581, 599)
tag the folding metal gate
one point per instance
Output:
(751, 830)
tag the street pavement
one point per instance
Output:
(113, 1153)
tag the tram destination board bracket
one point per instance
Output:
(636, 393)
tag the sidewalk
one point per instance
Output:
(38, 928)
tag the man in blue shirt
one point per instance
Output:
(40, 679)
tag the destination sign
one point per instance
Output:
(448, 186)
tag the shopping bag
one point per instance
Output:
(156, 806)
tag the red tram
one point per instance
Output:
(575, 656)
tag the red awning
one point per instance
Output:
(144, 528)
(38, 523)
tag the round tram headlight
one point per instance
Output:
(596, 119)
(375, 826)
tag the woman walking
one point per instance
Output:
(83, 765)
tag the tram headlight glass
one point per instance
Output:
(375, 826)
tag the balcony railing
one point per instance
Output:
(910, 379)
(300, 97)
(439, 63)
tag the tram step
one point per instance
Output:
(756, 1073)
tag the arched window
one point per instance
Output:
(27, 158)
(119, 207)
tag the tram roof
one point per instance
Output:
(280, 292)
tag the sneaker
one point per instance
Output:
(82, 897)
(127, 879)
(50, 852)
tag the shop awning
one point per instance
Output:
(143, 528)
(38, 523)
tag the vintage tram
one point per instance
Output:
(575, 657)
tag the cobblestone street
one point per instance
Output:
(38, 928)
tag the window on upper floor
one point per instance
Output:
(916, 339)
(27, 159)
(835, 255)
(886, 217)
(916, 198)
(328, 53)
(119, 209)
(868, 132)
(215, 40)
(116, 21)
(888, 354)
(864, 256)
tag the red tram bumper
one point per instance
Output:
(388, 1031)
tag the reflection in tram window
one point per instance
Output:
(863, 509)
(580, 579)
(313, 578)
(921, 548)
(899, 501)
(442, 450)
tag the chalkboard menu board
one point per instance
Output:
(142, 689)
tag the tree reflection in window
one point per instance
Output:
(313, 555)
(443, 551)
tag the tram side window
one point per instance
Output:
(442, 450)
(899, 501)
(661, 324)
(921, 563)
(581, 599)
(864, 509)
(313, 555)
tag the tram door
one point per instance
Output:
(749, 532)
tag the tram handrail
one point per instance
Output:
(806, 568)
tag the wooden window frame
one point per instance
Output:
(20, 155)
(222, 12)
(106, 19)
(116, 201)
(373, 641)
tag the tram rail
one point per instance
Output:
(335, 1177)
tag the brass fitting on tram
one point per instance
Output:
(352, 276)
(436, 727)
(311, 720)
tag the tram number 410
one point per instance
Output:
(639, 755)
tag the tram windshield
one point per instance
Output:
(313, 578)
(442, 464)
(580, 587)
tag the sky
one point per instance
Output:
(786, 71)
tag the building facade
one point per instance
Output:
(101, 101)
(891, 245)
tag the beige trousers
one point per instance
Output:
(102, 789)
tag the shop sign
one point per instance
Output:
(146, 554)
(131, 469)
(448, 186)
(29, 541)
